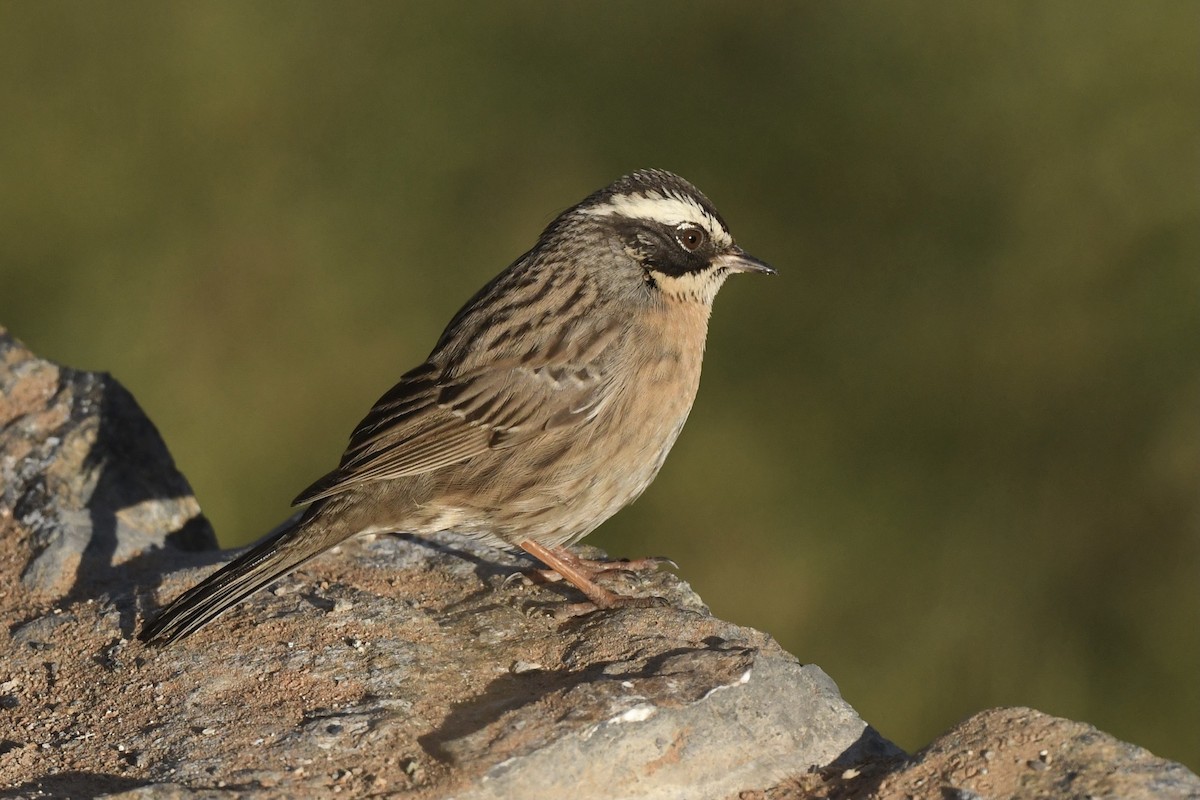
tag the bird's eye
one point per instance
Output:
(690, 237)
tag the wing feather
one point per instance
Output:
(431, 420)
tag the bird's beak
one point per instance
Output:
(738, 260)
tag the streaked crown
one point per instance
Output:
(660, 197)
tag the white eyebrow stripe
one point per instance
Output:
(668, 210)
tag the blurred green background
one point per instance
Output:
(951, 453)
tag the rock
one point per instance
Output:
(1006, 752)
(85, 474)
(398, 665)
(401, 664)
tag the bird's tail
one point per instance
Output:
(283, 551)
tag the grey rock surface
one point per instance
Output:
(397, 666)
(402, 665)
(85, 473)
(1005, 752)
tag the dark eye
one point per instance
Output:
(690, 237)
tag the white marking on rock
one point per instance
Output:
(639, 713)
(743, 679)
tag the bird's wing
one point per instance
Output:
(431, 420)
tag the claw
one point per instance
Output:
(516, 577)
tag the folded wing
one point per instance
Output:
(431, 420)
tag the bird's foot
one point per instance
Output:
(583, 572)
(595, 568)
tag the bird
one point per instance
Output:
(548, 404)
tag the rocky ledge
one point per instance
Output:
(413, 667)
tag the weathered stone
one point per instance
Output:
(1005, 752)
(411, 663)
(85, 474)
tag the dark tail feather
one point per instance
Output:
(237, 580)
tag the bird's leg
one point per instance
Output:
(581, 573)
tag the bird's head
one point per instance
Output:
(670, 231)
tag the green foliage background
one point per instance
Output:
(951, 453)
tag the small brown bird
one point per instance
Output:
(548, 404)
